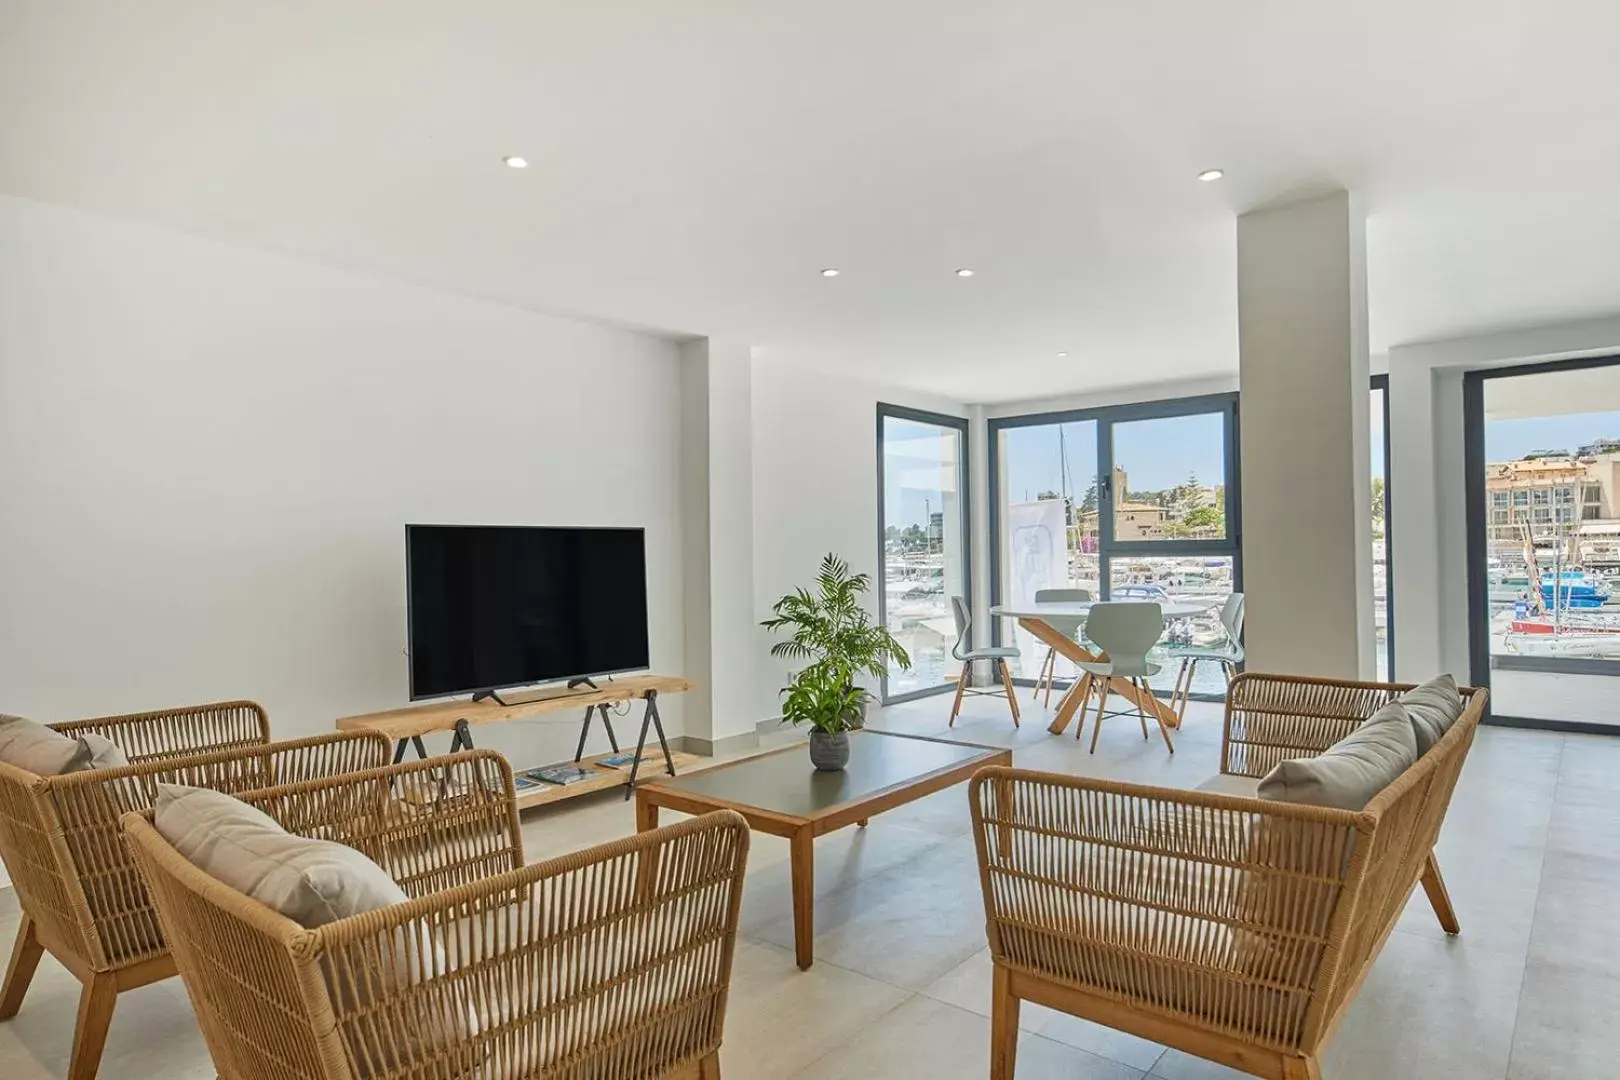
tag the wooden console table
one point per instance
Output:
(406, 727)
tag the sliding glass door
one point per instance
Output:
(1382, 569)
(1131, 502)
(923, 495)
(1543, 450)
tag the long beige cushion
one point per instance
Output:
(45, 752)
(1435, 706)
(1354, 769)
(311, 882)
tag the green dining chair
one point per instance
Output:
(999, 654)
(1124, 632)
(1228, 654)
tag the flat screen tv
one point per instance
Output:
(494, 606)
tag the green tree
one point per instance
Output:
(1088, 505)
(1204, 517)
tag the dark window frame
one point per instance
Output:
(1479, 655)
(964, 479)
(1108, 549)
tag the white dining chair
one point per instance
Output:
(1067, 625)
(1228, 654)
(1000, 654)
(1124, 632)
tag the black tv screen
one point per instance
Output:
(497, 606)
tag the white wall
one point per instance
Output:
(815, 486)
(717, 518)
(208, 455)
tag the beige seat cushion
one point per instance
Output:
(311, 882)
(1435, 706)
(1354, 769)
(45, 752)
(1229, 784)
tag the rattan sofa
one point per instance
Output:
(612, 963)
(1230, 927)
(82, 899)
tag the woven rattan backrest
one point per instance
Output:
(1272, 718)
(61, 834)
(1212, 908)
(609, 963)
(169, 733)
(431, 825)
(245, 968)
(31, 847)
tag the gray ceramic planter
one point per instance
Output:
(829, 753)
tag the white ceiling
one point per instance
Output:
(695, 164)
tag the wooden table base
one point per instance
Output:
(1077, 694)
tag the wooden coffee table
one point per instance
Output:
(782, 794)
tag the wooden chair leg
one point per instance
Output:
(1435, 886)
(25, 954)
(709, 1067)
(96, 1003)
(1007, 685)
(1051, 675)
(1082, 687)
(1164, 729)
(1140, 685)
(1102, 704)
(1004, 1008)
(1186, 689)
(961, 685)
(1301, 1068)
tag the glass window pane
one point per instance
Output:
(1047, 519)
(924, 536)
(1380, 515)
(1201, 580)
(1169, 478)
(1553, 598)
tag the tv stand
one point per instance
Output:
(583, 680)
(407, 726)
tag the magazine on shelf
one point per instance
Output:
(563, 775)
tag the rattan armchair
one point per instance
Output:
(1232, 928)
(612, 963)
(81, 896)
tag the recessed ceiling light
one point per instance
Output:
(966, 271)
(1209, 175)
(515, 162)
(831, 271)
(1063, 356)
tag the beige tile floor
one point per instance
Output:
(1530, 991)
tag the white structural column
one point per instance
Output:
(1306, 468)
(717, 525)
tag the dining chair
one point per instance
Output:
(998, 653)
(1067, 625)
(1228, 654)
(1124, 632)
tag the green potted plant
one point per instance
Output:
(830, 630)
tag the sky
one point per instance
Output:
(1158, 454)
(1509, 440)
